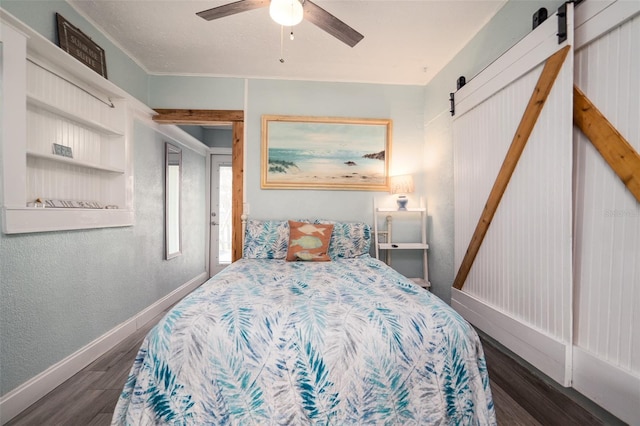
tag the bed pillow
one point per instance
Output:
(266, 239)
(309, 241)
(349, 239)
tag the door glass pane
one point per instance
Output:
(224, 238)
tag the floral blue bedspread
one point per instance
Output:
(346, 342)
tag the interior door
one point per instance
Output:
(512, 134)
(606, 352)
(221, 213)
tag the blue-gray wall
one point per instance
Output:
(218, 138)
(195, 131)
(211, 137)
(196, 92)
(61, 290)
(402, 104)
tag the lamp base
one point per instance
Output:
(402, 202)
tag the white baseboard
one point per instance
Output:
(540, 350)
(616, 390)
(16, 401)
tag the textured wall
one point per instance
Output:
(439, 190)
(218, 138)
(62, 290)
(196, 92)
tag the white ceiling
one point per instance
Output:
(405, 42)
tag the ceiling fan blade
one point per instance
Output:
(232, 9)
(326, 21)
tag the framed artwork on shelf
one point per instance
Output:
(325, 153)
(62, 150)
(80, 46)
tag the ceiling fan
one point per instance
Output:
(296, 11)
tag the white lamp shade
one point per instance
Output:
(401, 184)
(286, 12)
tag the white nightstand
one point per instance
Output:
(383, 240)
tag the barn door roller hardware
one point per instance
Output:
(452, 101)
(562, 20)
(562, 23)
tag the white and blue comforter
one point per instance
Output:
(274, 342)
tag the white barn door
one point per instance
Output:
(556, 278)
(519, 286)
(607, 215)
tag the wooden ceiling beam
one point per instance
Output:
(197, 117)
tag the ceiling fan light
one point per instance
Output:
(286, 12)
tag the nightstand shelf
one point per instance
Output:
(388, 244)
(402, 246)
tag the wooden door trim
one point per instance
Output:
(237, 189)
(198, 117)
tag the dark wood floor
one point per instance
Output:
(524, 398)
(89, 397)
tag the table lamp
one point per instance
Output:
(402, 185)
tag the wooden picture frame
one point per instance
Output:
(333, 153)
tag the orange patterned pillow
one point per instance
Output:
(309, 241)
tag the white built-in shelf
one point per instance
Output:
(49, 96)
(33, 219)
(92, 124)
(67, 160)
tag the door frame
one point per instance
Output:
(235, 118)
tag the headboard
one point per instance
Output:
(269, 239)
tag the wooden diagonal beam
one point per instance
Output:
(614, 148)
(538, 98)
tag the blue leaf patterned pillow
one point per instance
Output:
(349, 239)
(266, 239)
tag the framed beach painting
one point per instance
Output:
(325, 153)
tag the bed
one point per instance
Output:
(339, 340)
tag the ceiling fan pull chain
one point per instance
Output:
(281, 44)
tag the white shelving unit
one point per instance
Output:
(388, 245)
(51, 98)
